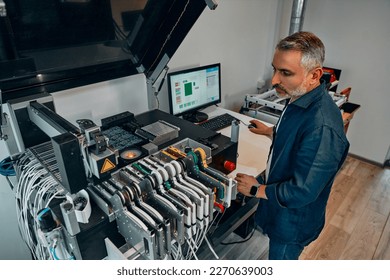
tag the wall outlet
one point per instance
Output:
(260, 84)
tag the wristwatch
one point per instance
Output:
(254, 190)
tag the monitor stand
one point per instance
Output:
(196, 117)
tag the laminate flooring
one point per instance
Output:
(357, 221)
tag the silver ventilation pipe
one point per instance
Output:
(3, 10)
(297, 16)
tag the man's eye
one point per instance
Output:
(286, 73)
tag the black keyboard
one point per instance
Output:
(218, 122)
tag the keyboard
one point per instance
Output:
(218, 122)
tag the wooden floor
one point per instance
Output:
(357, 221)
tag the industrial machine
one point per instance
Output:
(135, 187)
(146, 186)
(268, 106)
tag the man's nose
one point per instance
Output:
(275, 79)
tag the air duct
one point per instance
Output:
(297, 16)
(3, 10)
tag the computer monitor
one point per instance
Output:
(193, 89)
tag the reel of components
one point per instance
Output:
(158, 206)
(130, 154)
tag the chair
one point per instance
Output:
(348, 108)
(346, 92)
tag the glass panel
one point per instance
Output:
(47, 42)
(64, 34)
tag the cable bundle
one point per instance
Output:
(35, 190)
(189, 249)
(153, 180)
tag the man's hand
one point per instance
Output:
(261, 128)
(245, 183)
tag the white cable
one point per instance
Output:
(180, 251)
(192, 250)
(51, 198)
(194, 244)
(216, 225)
(202, 236)
(197, 236)
(24, 204)
(211, 248)
(177, 253)
(35, 190)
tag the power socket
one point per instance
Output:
(260, 84)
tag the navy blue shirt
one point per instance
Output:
(308, 149)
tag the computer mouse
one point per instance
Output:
(251, 125)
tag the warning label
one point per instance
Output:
(107, 165)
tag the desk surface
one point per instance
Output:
(252, 148)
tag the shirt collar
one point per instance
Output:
(305, 100)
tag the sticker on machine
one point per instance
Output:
(107, 166)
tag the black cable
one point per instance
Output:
(118, 30)
(158, 101)
(253, 223)
(163, 79)
(244, 123)
(10, 183)
(241, 241)
(216, 223)
(160, 86)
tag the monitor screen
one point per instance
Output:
(193, 89)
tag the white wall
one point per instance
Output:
(103, 99)
(356, 34)
(238, 34)
(242, 35)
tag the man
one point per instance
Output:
(309, 146)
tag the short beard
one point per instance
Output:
(298, 92)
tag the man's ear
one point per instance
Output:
(316, 75)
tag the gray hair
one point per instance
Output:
(311, 47)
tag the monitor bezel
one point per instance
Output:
(188, 70)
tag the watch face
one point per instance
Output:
(253, 190)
